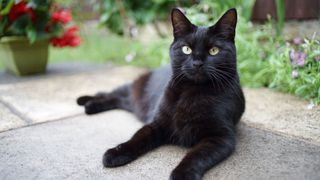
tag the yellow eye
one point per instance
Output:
(186, 50)
(214, 51)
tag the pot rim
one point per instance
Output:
(7, 39)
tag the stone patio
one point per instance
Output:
(45, 135)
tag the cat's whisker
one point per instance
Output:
(223, 66)
(213, 84)
(226, 73)
(213, 74)
(180, 78)
(231, 84)
(225, 63)
(177, 78)
(221, 74)
(226, 67)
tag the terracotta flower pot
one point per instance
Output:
(22, 58)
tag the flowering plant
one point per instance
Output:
(38, 19)
(295, 69)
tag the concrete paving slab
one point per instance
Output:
(282, 113)
(52, 96)
(60, 69)
(8, 120)
(73, 148)
(49, 97)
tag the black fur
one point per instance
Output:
(194, 103)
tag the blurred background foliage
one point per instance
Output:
(120, 16)
(118, 31)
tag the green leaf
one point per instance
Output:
(38, 3)
(105, 17)
(3, 25)
(280, 7)
(19, 26)
(31, 33)
(43, 35)
(300, 90)
(56, 30)
(6, 10)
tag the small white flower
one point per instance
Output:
(130, 57)
(294, 74)
(311, 105)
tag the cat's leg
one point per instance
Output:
(203, 156)
(117, 99)
(147, 138)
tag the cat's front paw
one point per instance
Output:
(184, 175)
(91, 104)
(82, 100)
(93, 107)
(114, 158)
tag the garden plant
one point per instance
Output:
(38, 19)
(265, 58)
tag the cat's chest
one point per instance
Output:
(193, 106)
(191, 117)
(191, 112)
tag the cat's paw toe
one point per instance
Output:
(92, 107)
(83, 100)
(113, 159)
(187, 175)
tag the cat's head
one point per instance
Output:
(204, 54)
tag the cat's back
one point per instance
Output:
(158, 81)
(147, 91)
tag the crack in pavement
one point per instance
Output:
(14, 111)
(44, 122)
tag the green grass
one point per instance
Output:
(102, 47)
(98, 47)
(94, 48)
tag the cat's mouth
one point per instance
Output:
(197, 75)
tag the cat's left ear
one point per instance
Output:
(180, 23)
(226, 26)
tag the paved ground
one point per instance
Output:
(45, 135)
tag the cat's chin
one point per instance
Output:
(197, 78)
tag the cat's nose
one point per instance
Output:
(197, 64)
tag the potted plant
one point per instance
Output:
(27, 28)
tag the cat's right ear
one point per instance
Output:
(226, 25)
(180, 23)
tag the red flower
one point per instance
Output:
(63, 16)
(69, 38)
(72, 30)
(47, 28)
(21, 9)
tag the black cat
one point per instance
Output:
(194, 103)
